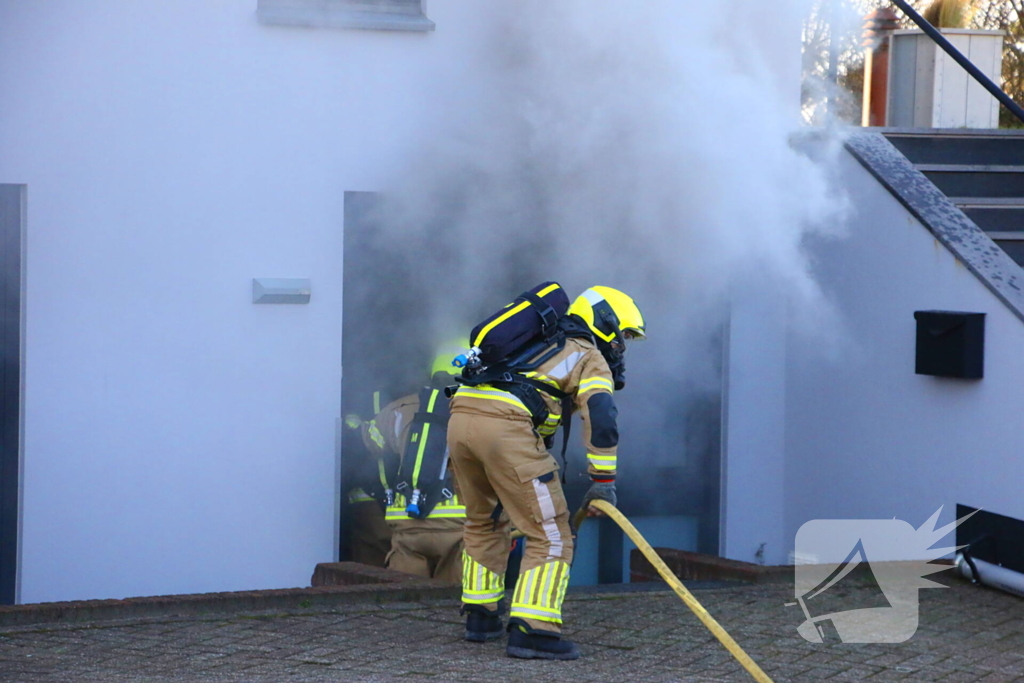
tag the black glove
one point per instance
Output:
(601, 490)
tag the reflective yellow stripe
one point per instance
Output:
(375, 434)
(542, 378)
(480, 586)
(595, 383)
(446, 509)
(423, 440)
(447, 513)
(359, 496)
(376, 402)
(508, 314)
(540, 592)
(601, 462)
(550, 425)
(483, 391)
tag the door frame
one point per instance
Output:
(12, 355)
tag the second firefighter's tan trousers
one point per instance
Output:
(428, 547)
(371, 535)
(503, 459)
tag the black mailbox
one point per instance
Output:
(950, 344)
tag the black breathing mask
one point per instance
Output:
(614, 351)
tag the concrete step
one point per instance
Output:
(1014, 249)
(1006, 219)
(964, 182)
(960, 147)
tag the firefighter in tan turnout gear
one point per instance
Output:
(509, 402)
(422, 507)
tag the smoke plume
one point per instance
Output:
(644, 146)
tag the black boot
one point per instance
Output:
(482, 624)
(526, 643)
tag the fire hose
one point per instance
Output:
(672, 580)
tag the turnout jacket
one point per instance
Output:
(578, 370)
(386, 437)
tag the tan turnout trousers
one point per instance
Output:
(371, 536)
(503, 459)
(427, 547)
(499, 457)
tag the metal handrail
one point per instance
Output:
(974, 71)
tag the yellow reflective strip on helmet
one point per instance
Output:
(491, 394)
(376, 402)
(508, 314)
(423, 441)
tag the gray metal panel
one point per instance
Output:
(902, 72)
(971, 246)
(924, 83)
(12, 215)
(280, 290)
(376, 15)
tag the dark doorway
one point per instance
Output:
(12, 217)
(401, 284)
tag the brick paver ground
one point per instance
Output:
(966, 634)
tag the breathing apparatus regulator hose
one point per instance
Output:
(672, 580)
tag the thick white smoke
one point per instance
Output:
(645, 146)
(641, 145)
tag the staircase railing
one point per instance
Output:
(968, 66)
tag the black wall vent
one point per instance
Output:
(950, 344)
(996, 539)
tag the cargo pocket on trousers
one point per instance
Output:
(547, 501)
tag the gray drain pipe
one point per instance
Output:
(988, 574)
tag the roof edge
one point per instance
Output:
(950, 226)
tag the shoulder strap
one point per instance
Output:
(424, 465)
(548, 315)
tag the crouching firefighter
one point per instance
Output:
(531, 365)
(370, 536)
(422, 506)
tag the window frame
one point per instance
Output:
(373, 15)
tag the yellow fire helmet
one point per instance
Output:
(594, 306)
(445, 353)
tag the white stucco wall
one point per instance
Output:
(179, 438)
(753, 427)
(865, 436)
(816, 428)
